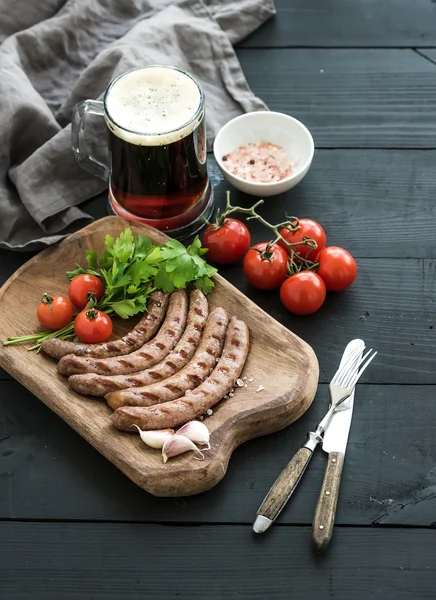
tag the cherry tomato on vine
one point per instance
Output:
(265, 266)
(303, 293)
(82, 287)
(93, 326)
(228, 243)
(54, 312)
(337, 268)
(310, 229)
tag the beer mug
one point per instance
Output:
(156, 137)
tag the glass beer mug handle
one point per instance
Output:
(83, 157)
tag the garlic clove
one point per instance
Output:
(178, 444)
(197, 432)
(156, 438)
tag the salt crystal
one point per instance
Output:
(262, 161)
(209, 412)
(251, 379)
(239, 383)
(260, 388)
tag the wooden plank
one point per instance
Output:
(349, 98)
(429, 53)
(63, 561)
(342, 23)
(47, 471)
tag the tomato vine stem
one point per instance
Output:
(292, 224)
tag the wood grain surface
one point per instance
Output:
(349, 98)
(285, 484)
(361, 75)
(289, 373)
(390, 23)
(79, 561)
(325, 512)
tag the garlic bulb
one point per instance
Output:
(157, 438)
(178, 444)
(197, 432)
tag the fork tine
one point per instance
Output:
(349, 367)
(357, 375)
(345, 368)
(349, 376)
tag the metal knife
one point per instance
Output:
(286, 483)
(334, 443)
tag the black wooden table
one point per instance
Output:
(362, 77)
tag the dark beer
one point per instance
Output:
(157, 145)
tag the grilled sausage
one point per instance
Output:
(196, 371)
(137, 337)
(195, 402)
(147, 356)
(99, 385)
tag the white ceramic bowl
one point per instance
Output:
(274, 127)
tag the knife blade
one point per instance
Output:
(334, 443)
(286, 483)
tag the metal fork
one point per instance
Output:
(340, 388)
(342, 385)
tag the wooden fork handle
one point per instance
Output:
(285, 485)
(324, 519)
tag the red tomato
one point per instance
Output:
(54, 312)
(82, 287)
(269, 271)
(310, 229)
(93, 326)
(303, 293)
(227, 244)
(337, 268)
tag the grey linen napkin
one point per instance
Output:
(55, 53)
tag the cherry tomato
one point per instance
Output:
(303, 293)
(227, 244)
(54, 312)
(92, 326)
(310, 229)
(265, 266)
(82, 286)
(337, 268)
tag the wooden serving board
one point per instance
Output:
(280, 361)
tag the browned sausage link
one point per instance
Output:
(137, 337)
(99, 385)
(148, 355)
(195, 402)
(196, 371)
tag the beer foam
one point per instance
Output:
(153, 106)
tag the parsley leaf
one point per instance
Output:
(205, 284)
(92, 259)
(125, 308)
(132, 267)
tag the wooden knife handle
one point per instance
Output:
(285, 485)
(324, 519)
